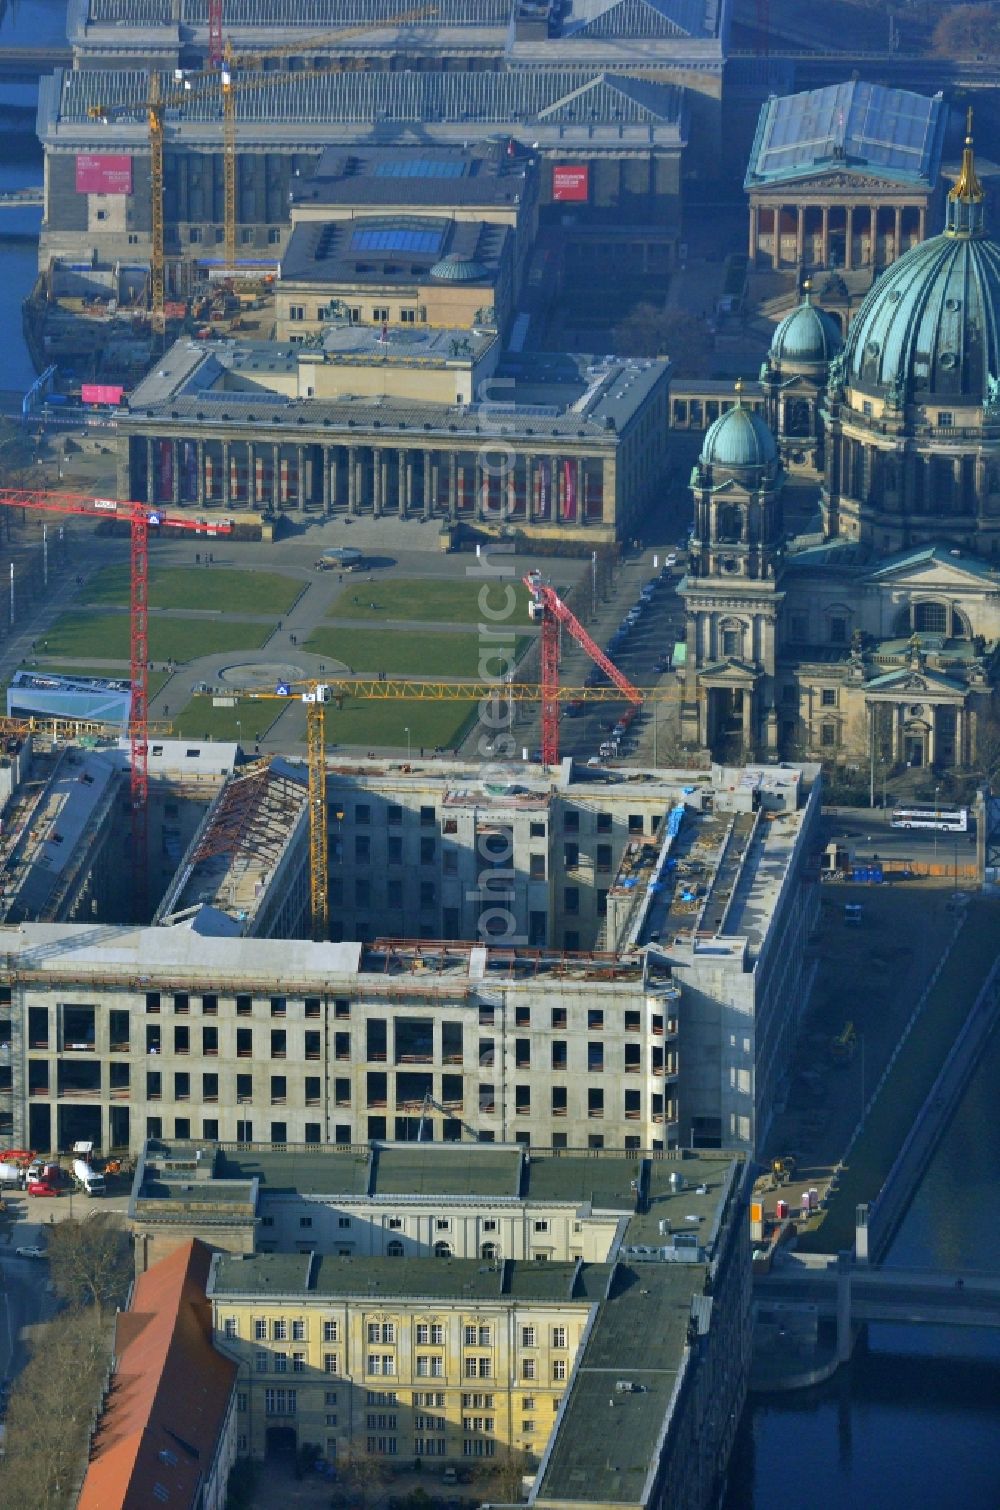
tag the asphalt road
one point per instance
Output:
(870, 833)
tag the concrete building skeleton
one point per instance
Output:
(654, 1011)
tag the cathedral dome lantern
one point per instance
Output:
(929, 330)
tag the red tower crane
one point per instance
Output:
(215, 45)
(141, 518)
(554, 614)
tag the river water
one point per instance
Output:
(914, 1420)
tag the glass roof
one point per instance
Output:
(396, 239)
(893, 130)
(419, 168)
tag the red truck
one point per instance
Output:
(48, 1182)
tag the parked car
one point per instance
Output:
(28, 1250)
(671, 559)
(42, 1187)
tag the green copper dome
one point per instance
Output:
(458, 269)
(738, 438)
(807, 336)
(930, 328)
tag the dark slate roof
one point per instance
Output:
(536, 94)
(891, 133)
(643, 18)
(349, 251)
(481, 174)
(316, 15)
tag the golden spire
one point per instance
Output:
(967, 188)
(807, 291)
(738, 386)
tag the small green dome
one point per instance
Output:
(738, 438)
(458, 269)
(807, 336)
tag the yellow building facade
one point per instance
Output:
(445, 1360)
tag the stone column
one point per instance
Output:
(922, 227)
(334, 464)
(754, 234)
(258, 479)
(558, 490)
(873, 234)
(800, 234)
(430, 483)
(275, 476)
(849, 238)
(825, 236)
(175, 471)
(898, 231)
(300, 476)
(150, 471)
(775, 235)
(200, 469)
(452, 485)
(352, 479)
(480, 482)
(325, 455)
(959, 736)
(529, 487)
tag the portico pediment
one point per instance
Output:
(907, 682)
(729, 673)
(935, 570)
(837, 182)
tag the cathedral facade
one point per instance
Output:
(869, 632)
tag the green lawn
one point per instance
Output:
(915, 1070)
(369, 724)
(435, 602)
(213, 587)
(418, 653)
(201, 719)
(105, 637)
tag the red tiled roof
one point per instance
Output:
(157, 1437)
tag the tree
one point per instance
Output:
(505, 1475)
(51, 1411)
(365, 1473)
(91, 1260)
(968, 31)
(652, 330)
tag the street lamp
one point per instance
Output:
(409, 750)
(936, 820)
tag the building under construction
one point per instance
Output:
(559, 957)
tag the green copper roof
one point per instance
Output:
(806, 335)
(738, 438)
(930, 327)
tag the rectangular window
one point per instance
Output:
(559, 1369)
(260, 1329)
(527, 1336)
(261, 1362)
(280, 1402)
(331, 1363)
(279, 1331)
(231, 1327)
(331, 1331)
(828, 697)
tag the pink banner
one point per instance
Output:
(103, 173)
(101, 393)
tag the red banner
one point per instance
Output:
(571, 183)
(569, 490)
(101, 393)
(103, 173)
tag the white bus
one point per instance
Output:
(953, 820)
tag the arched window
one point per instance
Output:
(442, 1250)
(489, 1252)
(930, 618)
(394, 1249)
